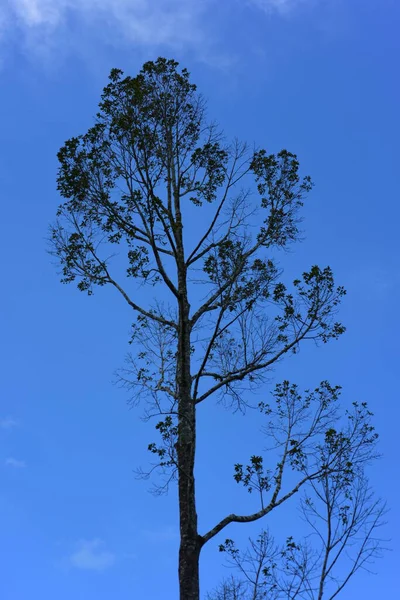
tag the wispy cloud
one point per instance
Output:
(92, 555)
(8, 423)
(14, 463)
(53, 27)
(283, 7)
(154, 23)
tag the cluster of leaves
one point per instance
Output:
(315, 303)
(253, 476)
(167, 452)
(282, 192)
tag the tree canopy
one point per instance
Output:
(219, 316)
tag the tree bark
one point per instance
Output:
(190, 545)
(189, 582)
(189, 552)
(190, 541)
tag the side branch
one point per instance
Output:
(232, 518)
(251, 368)
(138, 308)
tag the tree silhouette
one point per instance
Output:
(220, 317)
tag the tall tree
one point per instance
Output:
(149, 168)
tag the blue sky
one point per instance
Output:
(318, 77)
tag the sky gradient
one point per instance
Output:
(318, 77)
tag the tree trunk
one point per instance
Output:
(189, 551)
(189, 583)
(190, 541)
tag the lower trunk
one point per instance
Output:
(189, 583)
(190, 546)
(189, 551)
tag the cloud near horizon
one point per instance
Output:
(15, 463)
(8, 423)
(91, 555)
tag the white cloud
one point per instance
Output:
(155, 22)
(15, 463)
(8, 423)
(53, 29)
(91, 555)
(38, 12)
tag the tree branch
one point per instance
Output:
(242, 373)
(232, 518)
